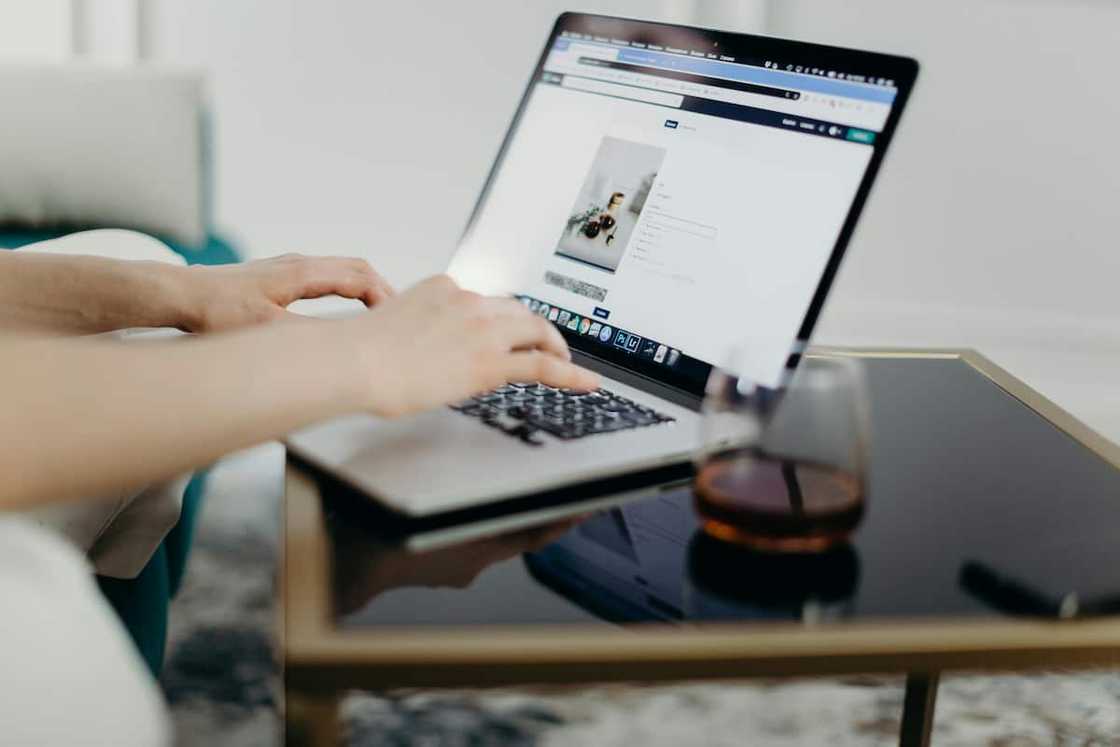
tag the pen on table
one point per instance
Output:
(1010, 595)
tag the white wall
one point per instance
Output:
(993, 223)
(35, 30)
(1001, 192)
(102, 31)
(360, 127)
(367, 128)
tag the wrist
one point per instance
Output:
(186, 297)
(141, 294)
(361, 362)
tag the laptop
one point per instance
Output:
(665, 195)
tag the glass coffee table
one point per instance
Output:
(970, 470)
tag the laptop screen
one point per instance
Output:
(667, 196)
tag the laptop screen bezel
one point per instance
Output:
(902, 70)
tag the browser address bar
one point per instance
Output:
(623, 92)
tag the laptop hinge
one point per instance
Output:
(647, 385)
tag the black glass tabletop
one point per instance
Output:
(976, 505)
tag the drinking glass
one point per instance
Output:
(785, 470)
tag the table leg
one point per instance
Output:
(917, 709)
(312, 721)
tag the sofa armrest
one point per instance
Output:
(103, 146)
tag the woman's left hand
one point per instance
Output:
(230, 296)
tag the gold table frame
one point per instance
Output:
(321, 661)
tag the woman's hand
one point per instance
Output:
(230, 296)
(76, 294)
(172, 405)
(436, 344)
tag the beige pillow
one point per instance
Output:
(84, 145)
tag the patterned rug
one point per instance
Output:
(223, 686)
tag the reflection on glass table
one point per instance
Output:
(365, 567)
(648, 562)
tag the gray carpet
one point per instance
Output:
(222, 682)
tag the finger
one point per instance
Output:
(364, 289)
(372, 290)
(366, 283)
(523, 330)
(537, 365)
(387, 289)
(384, 289)
(341, 276)
(438, 285)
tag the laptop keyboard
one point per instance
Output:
(524, 410)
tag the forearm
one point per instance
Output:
(71, 294)
(83, 417)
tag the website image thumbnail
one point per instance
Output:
(610, 202)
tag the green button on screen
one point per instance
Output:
(861, 136)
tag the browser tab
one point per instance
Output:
(714, 86)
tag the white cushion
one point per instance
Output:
(102, 146)
(70, 674)
(111, 243)
(121, 531)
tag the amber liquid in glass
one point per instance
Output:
(775, 505)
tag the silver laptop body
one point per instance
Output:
(664, 195)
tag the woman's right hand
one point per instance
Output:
(436, 344)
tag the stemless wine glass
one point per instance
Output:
(785, 470)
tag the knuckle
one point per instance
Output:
(490, 342)
(482, 371)
(302, 272)
(516, 307)
(297, 267)
(470, 301)
(437, 287)
(544, 366)
(444, 282)
(362, 267)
